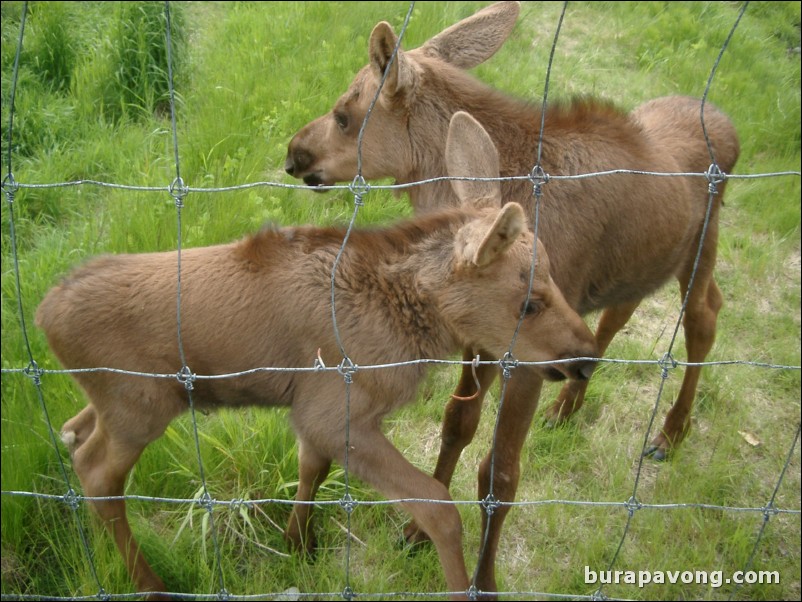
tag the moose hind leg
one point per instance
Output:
(77, 429)
(313, 470)
(102, 464)
(125, 416)
(699, 322)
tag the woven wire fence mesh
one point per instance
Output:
(349, 502)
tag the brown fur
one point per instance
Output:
(612, 240)
(423, 289)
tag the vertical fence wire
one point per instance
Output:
(359, 187)
(508, 363)
(70, 498)
(347, 369)
(769, 511)
(714, 176)
(178, 192)
(633, 504)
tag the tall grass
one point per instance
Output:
(91, 105)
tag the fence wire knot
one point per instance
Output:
(473, 592)
(186, 378)
(632, 504)
(508, 363)
(205, 502)
(598, 595)
(223, 594)
(34, 372)
(348, 593)
(769, 511)
(347, 503)
(238, 503)
(347, 368)
(178, 190)
(10, 187)
(71, 499)
(102, 594)
(359, 188)
(490, 504)
(714, 177)
(667, 362)
(539, 178)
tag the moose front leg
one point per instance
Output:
(572, 394)
(376, 461)
(499, 472)
(460, 422)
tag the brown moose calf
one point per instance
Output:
(421, 289)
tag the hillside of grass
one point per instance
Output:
(92, 104)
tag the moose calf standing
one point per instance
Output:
(422, 289)
(612, 240)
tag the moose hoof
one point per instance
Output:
(553, 419)
(305, 548)
(558, 413)
(656, 453)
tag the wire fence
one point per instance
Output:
(178, 191)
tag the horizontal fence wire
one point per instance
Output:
(396, 187)
(178, 190)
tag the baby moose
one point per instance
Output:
(426, 288)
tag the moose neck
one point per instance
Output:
(513, 125)
(415, 260)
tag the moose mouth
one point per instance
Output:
(314, 181)
(553, 374)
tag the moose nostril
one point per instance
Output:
(298, 161)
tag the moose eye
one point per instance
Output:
(531, 307)
(341, 119)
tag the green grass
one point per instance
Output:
(90, 105)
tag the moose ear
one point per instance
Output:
(470, 152)
(485, 239)
(381, 46)
(475, 39)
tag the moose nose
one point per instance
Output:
(298, 161)
(584, 369)
(579, 369)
